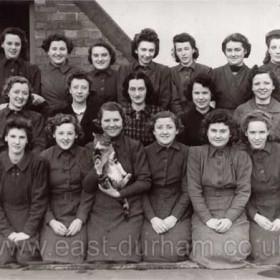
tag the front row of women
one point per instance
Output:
(45, 201)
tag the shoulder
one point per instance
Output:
(220, 69)
(48, 152)
(203, 67)
(150, 149)
(161, 67)
(240, 155)
(34, 116)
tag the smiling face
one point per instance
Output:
(218, 134)
(201, 97)
(274, 50)
(137, 91)
(165, 131)
(257, 134)
(235, 53)
(12, 46)
(262, 86)
(185, 53)
(16, 139)
(65, 135)
(79, 90)
(18, 96)
(111, 123)
(100, 57)
(146, 52)
(58, 52)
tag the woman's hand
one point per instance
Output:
(170, 222)
(74, 227)
(58, 227)
(20, 236)
(263, 222)
(223, 225)
(110, 191)
(37, 99)
(158, 225)
(212, 223)
(276, 225)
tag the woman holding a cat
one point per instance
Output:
(114, 229)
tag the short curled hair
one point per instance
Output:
(10, 82)
(21, 34)
(57, 37)
(182, 38)
(205, 81)
(148, 35)
(102, 43)
(221, 116)
(273, 34)
(79, 75)
(237, 37)
(58, 120)
(139, 75)
(20, 122)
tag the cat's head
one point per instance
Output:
(101, 141)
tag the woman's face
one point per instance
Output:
(111, 123)
(65, 135)
(146, 52)
(185, 53)
(165, 131)
(18, 96)
(201, 96)
(58, 52)
(12, 46)
(100, 57)
(274, 50)
(218, 134)
(16, 139)
(262, 86)
(137, 91)
(257, 134)
(79, 90)
(235, 53)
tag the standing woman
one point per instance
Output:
(114, 236)
(219, 183)
(272, 58)
(63, 236)
(144, 48)
(166, 233)
(232, 80)
(138, 90)
(14, 46)
(186, 53)
(17, 91)
(104, 78)
(264, 205)
(23, 195)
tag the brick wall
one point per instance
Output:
(66, 18)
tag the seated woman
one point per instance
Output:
(201, 93)
(166, 233)
(114, 226)
(263, 84)
(219, 184)
(23, 196)
(264, 204)
(138, 90)
(63, 236)
(17, 91)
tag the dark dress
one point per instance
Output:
(112, 237)
(67, 202)
(23, 202)
(265, 247)
(181, 77)
(219, 183)
(232, 90)
(168, 196)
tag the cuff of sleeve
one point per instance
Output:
(232, 215)
(7, 232)
(49, 216)
(206, 218)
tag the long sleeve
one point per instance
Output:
(175, 105)
(252, 209)
(35, 78)
(5, 227)
(147, 207)
(165, 88)
(39, 141)
(123, 72)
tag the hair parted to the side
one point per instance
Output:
(273, 34)
(57, 37)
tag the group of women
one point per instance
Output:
(196, 190)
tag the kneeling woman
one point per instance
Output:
(23, 197)
(166, 232)
(63, 236)
(219, 183)
(264, 204)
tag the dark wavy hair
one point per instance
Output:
(221, 116)
(20, 122)
(10, 82)
(79, 75)
(148, 35)
(21, 34)
(185, 37)
(57, 37)
(139, 75)
(205, 81)
(273, 34)
(237, 37)
(102, 43)
(58, 120)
